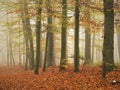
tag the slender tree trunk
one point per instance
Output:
(20, 60)
(118, 44)
(26, 44)
(87, 46)
(11, 54)
(29, 31)
(93, 45)
(49, 52)
(8, 54)
(41, 53)
(50, 58)
(38, 34)
(46, 53)
(27, 56)
(118, 39)
(12, 62)
(118, 28)
(76, 46)
(108, 45)
(63, 36)
(87, 37)
(25, 32)
(26, 47)
(10, 49)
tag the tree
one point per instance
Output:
(108, 59)
(93, 45)
(50, 58)
(38, 34)
(46, 52)
(87, 38)
(8, 50)
(10, 58)
(63, 35)
(117, 20)
(25, 38)
(12, 61)
(29, 36)
(118, 36)
(87, 46)
(49, 50)
(29, 30)
(76, 45)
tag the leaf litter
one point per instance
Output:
(89, 78)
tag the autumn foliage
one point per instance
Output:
(89, 78)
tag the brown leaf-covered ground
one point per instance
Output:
(89, 78)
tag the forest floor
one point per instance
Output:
(89, 78)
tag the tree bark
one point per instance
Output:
(29, 31)
(8, 49)
(38, 34)
(87, 37)
(108, 45)
(93, 45)
(63, 36)
(49, 52)
(50, 59)
(76, 46)
(87, 46)
(118, 39)
(25, 34)
(11, 54)
(46, 53)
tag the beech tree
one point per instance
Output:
(64, 36)
(108, 48)
(49, 47)
(27, 34)
(30, 37)
(87, 37)
(50, 56)
(117, 20)
(38, 34)
(76, 44)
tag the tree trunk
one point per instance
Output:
(38, 34)
(46, 53)
(93, 46)
(27, 56)
(76, 46)
(41, 53)
(8, 49)
(63, 36)
(20, 60)
(25, 34)
(49, 50)
(118, 35)
(26, 45)
(87, 37)
(87, 46)
(8, 54)
(108, 58)
(11, 54)
(29, 31)
(118, 39)
(50, 58)
(118, 28)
